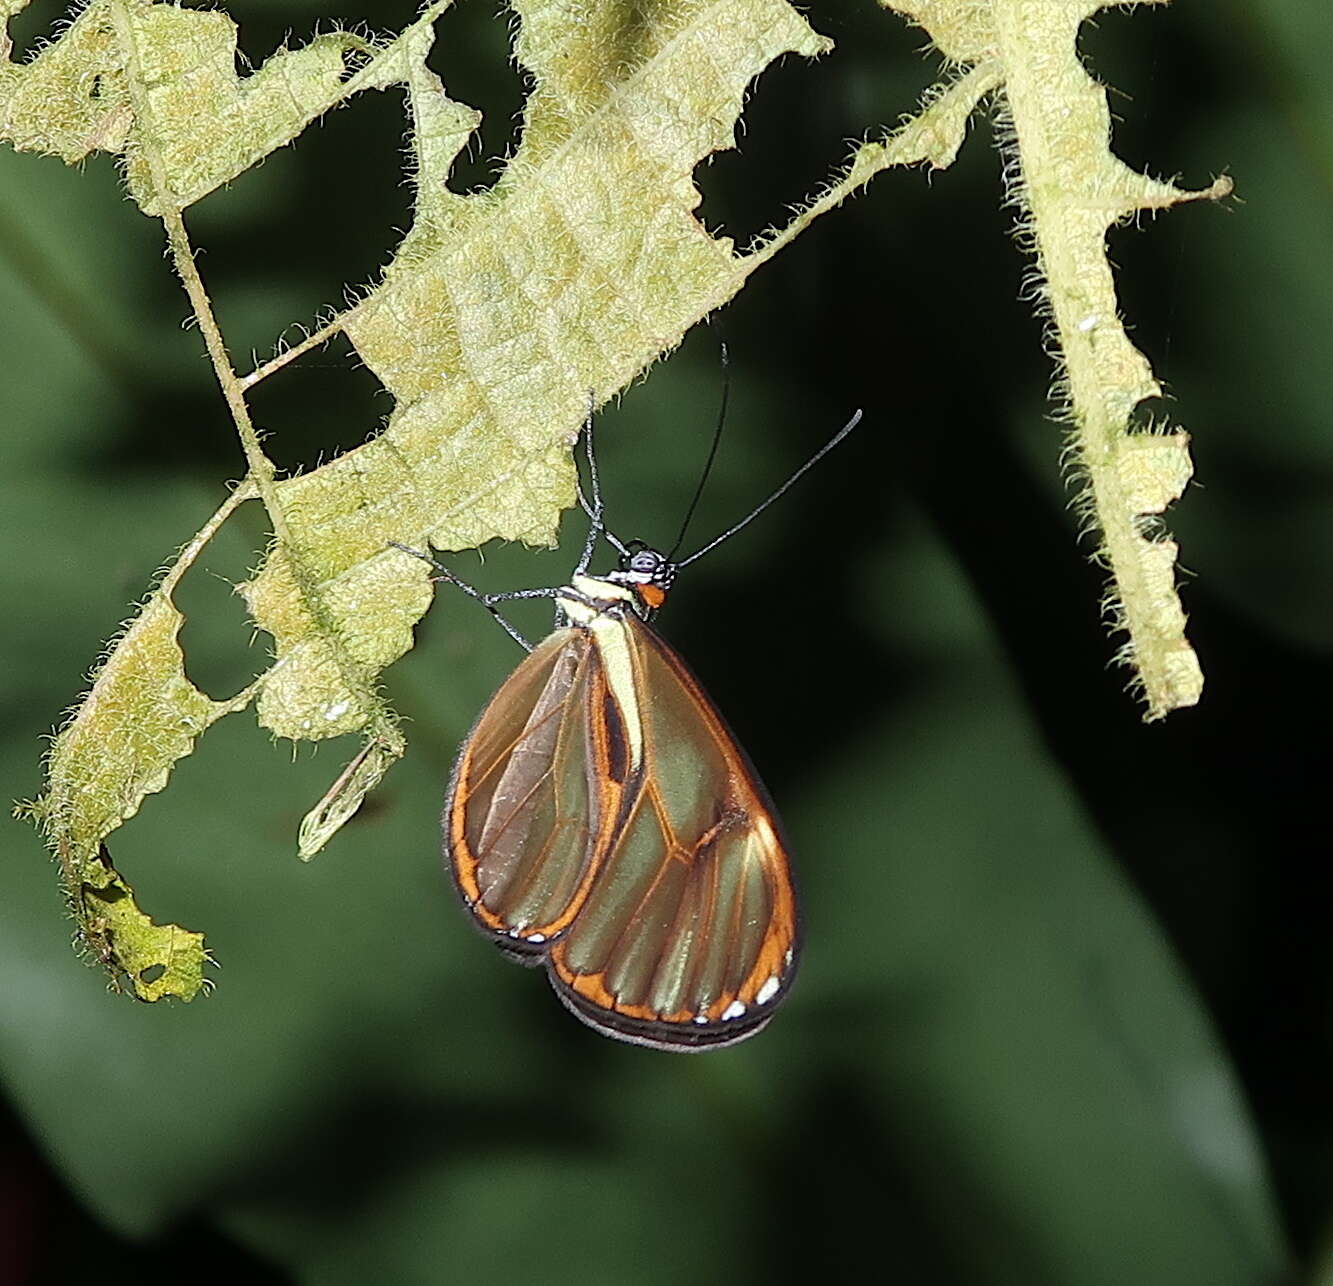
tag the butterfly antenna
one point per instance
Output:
(758, 509)
(712, 452)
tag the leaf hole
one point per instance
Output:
(152, 973)
(801, 119)
(1148, 417)
(292, 243)
(30, 30)
(323, 404)
(1152, 528)
(221, 655)
(473, 57)
(353, 61)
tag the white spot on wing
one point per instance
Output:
(700, 1018)
(767, 991)
(536, 937)
(734, 1010)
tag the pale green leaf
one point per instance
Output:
(1071, 189)
(55, 103)
(505, 314)
(141, 715)
(502, 317)
(202, 125)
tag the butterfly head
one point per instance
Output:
(646, 571)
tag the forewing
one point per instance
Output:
(525, 806)
(688, 935)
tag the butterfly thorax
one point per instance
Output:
(603, 609)
(590, 600)
(642, 581)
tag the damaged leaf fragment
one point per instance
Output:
(151, 960)
(140, 716)
(1070, 189)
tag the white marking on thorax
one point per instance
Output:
(611, 635)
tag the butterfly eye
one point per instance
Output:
(640, 559)
(643, 565)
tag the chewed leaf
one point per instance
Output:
(171, 72)
(155, 960)
(55, 103)
(346, 795)
(1070, 189)
(502, 317)
(209, 125)
(141, 715)
(322, 684)
(504, 312)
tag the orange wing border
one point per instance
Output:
(530, 945)
(769, 979)
(739, 1011)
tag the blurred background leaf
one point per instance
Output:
(1064, 1014)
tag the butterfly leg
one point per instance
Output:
(487, 601)
(553, 591)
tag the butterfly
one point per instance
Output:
(603, 822)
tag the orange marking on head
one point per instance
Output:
(651, 596)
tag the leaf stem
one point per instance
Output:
(321, 336)
(261, 472)
(239, 495)
(182, 253)
(932, 136)
(260, 467)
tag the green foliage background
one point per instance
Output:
(1064, 1009)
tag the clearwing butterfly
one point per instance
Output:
(602, 821)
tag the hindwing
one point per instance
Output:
(526, 811)
(603, 817)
